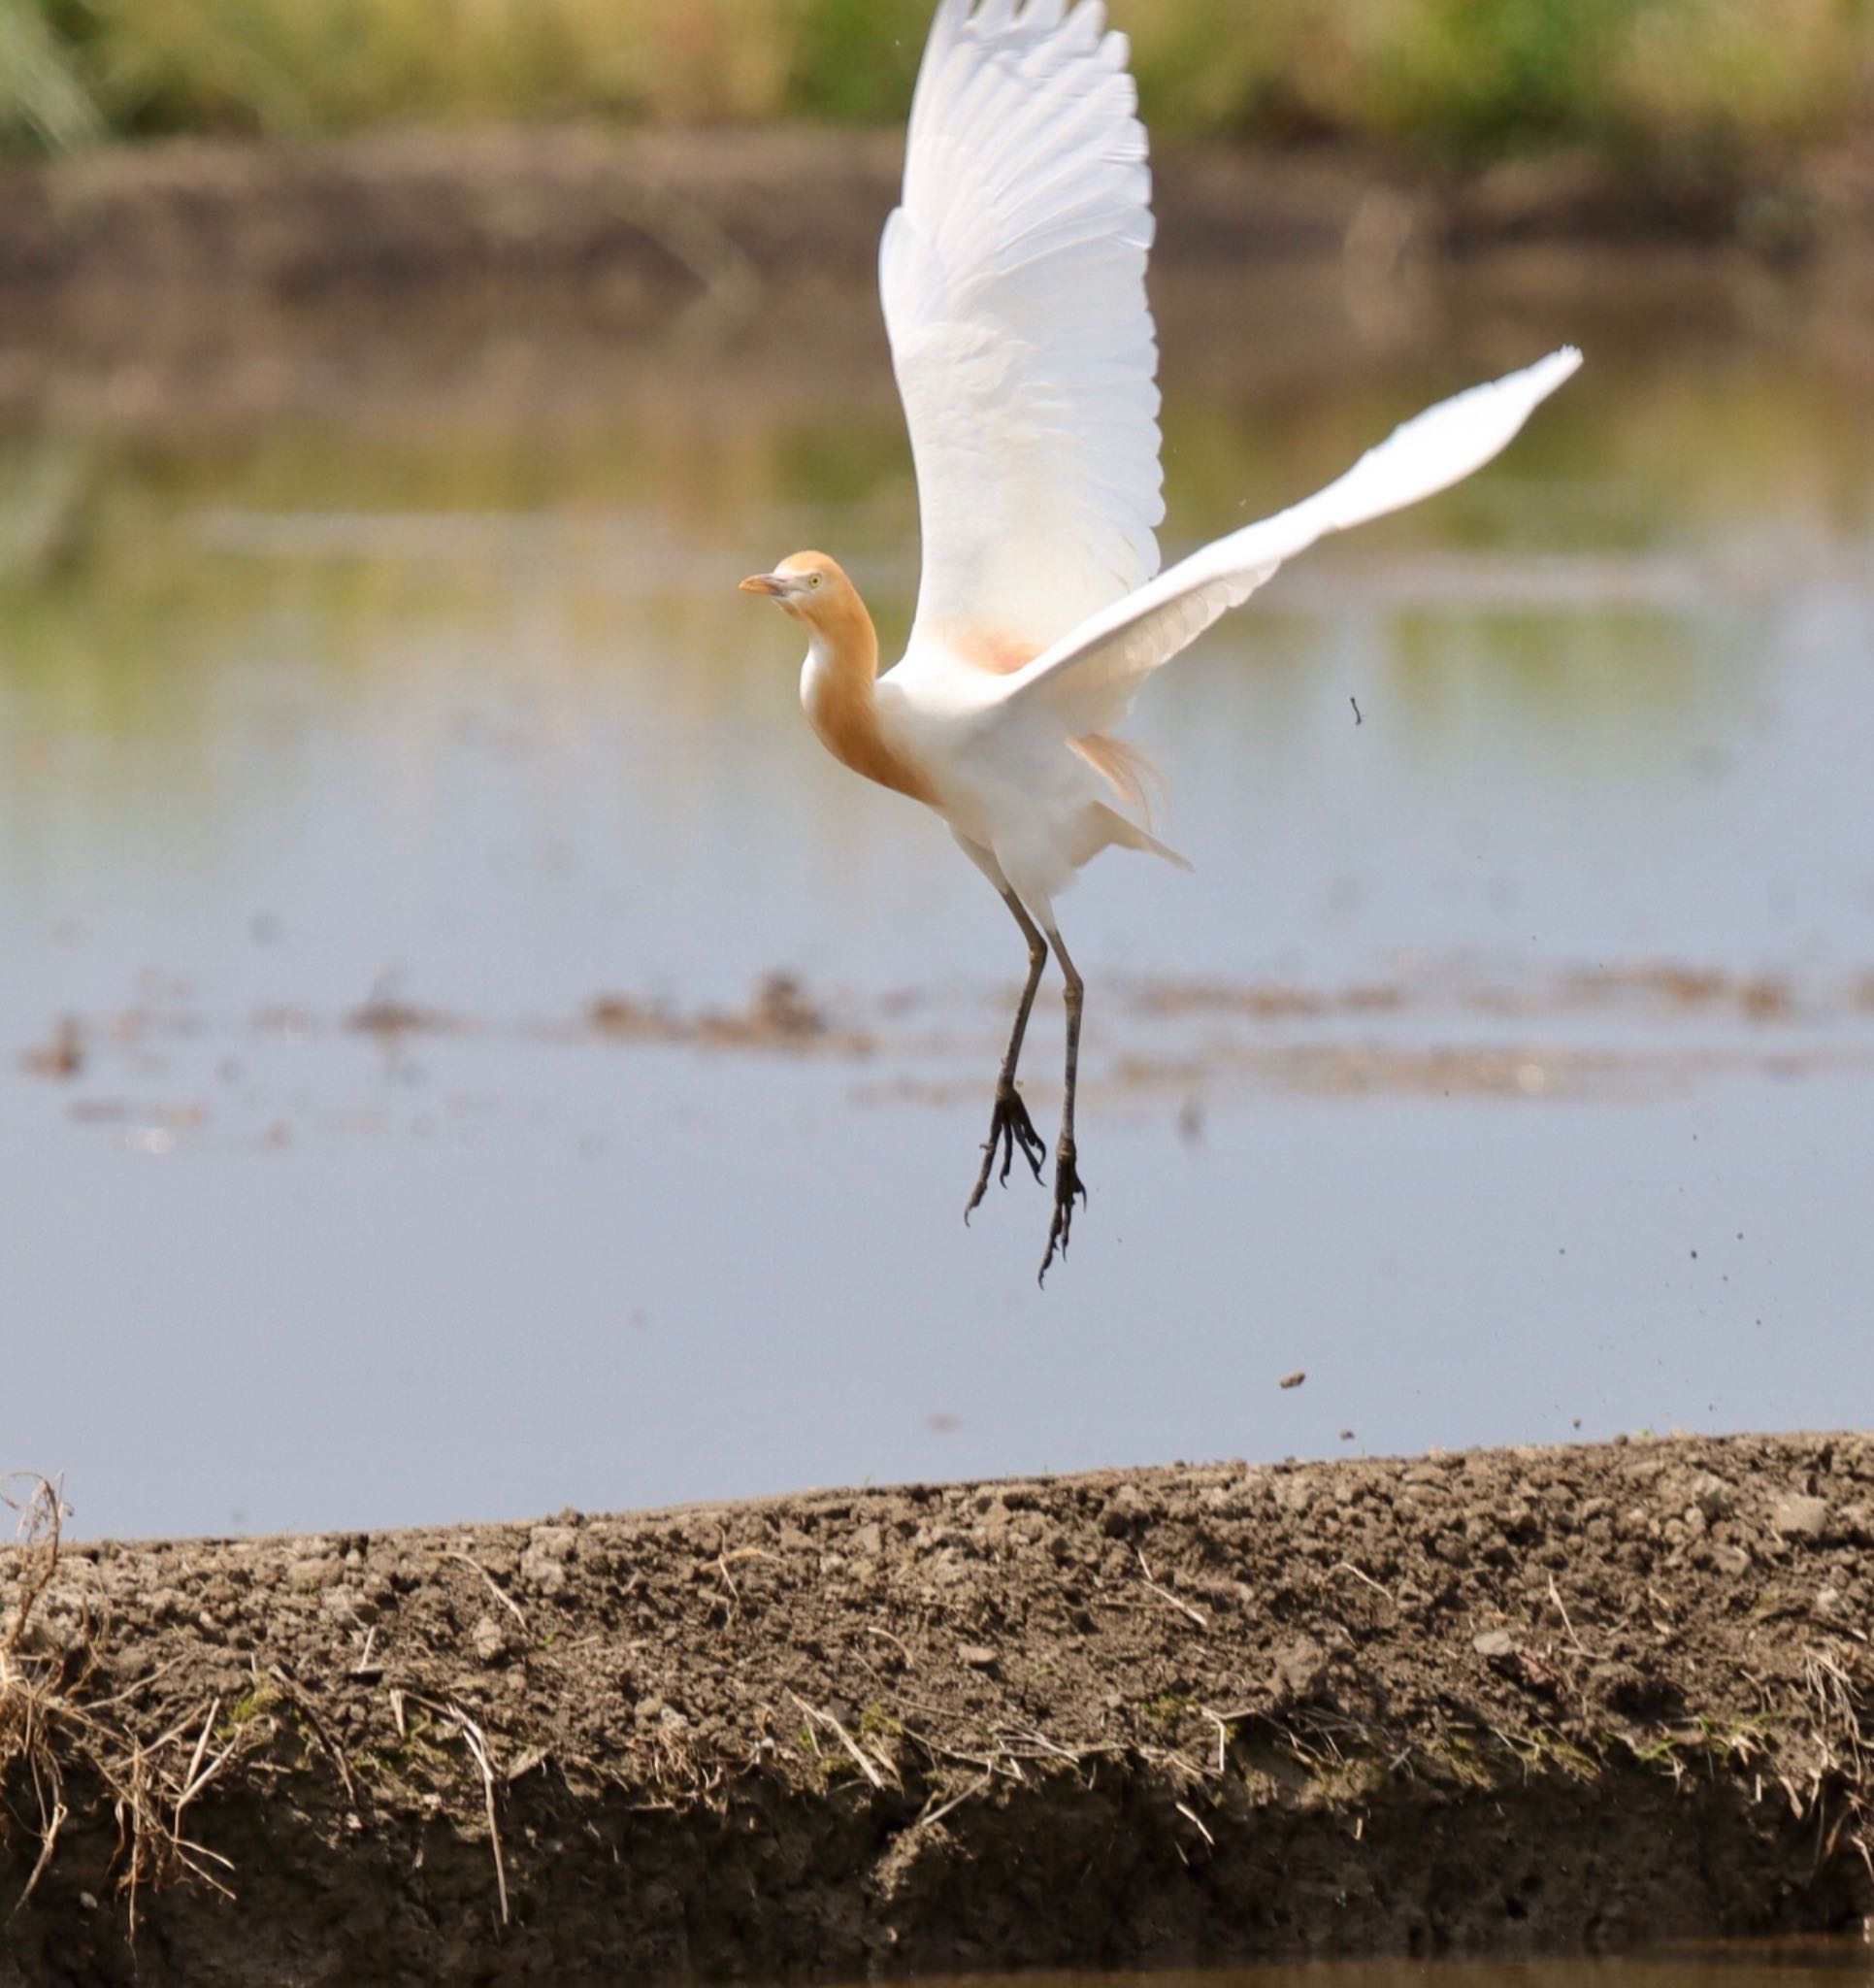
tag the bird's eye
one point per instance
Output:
(813, 578)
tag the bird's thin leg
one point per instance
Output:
(1010, 1126)
(1068, 1183)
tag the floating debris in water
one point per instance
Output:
(779, 1014)
(384, 1015)
(63, 1055)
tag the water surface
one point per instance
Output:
(403, 822)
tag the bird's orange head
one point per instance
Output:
(809, 586)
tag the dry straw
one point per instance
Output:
(53, 1731)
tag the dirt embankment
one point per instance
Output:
(192, 280)
(1534, 1698)
(646, 216)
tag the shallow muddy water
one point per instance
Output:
(403, 825)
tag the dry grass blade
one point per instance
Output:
(897, 1642)
(494, 1588)
(472, 1737)
(1568, 1624)
(479, 1746)
(1348, 1566)
(726, 1557)
(1040, 1745)
(1222, 1722)
(1165, 1594)
(860, 1758)
(932, 1816)
(1192, 1816)
(53, 1819)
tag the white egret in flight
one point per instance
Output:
(1013, 279)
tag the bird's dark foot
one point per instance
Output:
(1010, 1128)
(1068, 1185)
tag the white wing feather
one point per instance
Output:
(1088, 679)
(1013, 279)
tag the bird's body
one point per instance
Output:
(1012, 278)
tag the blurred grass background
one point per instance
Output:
(1726, 84)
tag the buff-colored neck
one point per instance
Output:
(838, 691)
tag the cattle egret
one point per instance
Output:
(1013, 279)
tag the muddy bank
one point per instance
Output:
(646, 216)
(463, 276)
(1514, 1701)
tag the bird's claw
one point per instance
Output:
(1067, 1184)
(1009, 1128)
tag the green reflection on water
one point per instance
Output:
(139, 568)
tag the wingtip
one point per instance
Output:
(1531, 384)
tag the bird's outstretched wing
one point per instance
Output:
(1013, 278)
(1088, 679)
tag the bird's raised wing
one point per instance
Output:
(1088, 679)
(1013, 278)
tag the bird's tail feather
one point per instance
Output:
(1130, 836)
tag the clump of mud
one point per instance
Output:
(1510, 1701)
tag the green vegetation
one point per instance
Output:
(246, 1709)
(877, 1723)
(1648, 82)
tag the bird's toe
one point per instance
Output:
(1010, 1131)
(1068, 1187)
